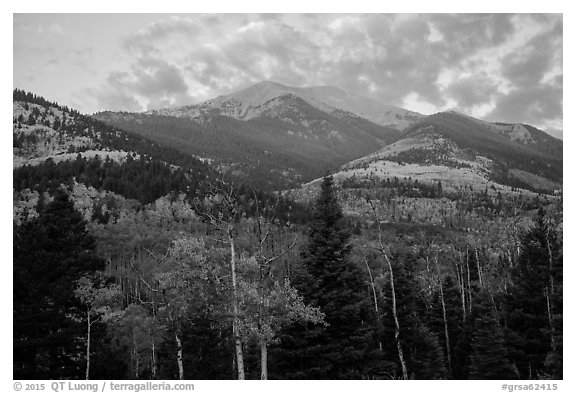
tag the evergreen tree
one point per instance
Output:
(488, 357)
(51, 252)
(330, 281)
(453, 320)
(422, 349)
(534, 305)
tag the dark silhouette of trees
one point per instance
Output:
(50, 254)
(534, 304)
(330, 281)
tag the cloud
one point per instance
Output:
(472, 90)
(535, 105)
(116, 101)
(152, 83)
(498, 66)
(54, 28)
(116, 95)
(527, 66)
(156, 78)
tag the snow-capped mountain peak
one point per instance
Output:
(259, 98)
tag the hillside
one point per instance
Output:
(279, 137)
(55, 146)
(506, 151)
(283, 142)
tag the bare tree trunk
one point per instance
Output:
(396, 322)
(264, 264)
(550, 292)
(179, 356)
(478, 267)
(394, 311)
(447, 336)
(153, 357)
(135, 354)
(153, 342)
(263, 360)
(460, 274)
(375, 299)
(237, 337)
(469, 286)
(88, 348)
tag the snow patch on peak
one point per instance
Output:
(255, 100)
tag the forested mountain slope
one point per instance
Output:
(287, 142)
(541, 156)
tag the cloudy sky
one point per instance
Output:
(496, 67)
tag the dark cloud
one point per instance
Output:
(527, 66)
(117, 101)
(465, 33)
(116, 95)
(471, 91)
(159, 83)
(534, 105)
(156, 78)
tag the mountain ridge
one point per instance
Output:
(244, 104)
(267, 127)
(270, 134)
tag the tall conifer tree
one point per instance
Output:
(51, 252)
(333, 283)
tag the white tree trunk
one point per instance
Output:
(478, 267)
(447, 336)
(375, 299)
(136, 368)
(153, 357)
(179, 356)
(460, 272)
(469, 285)
(396, 322)
(550, 292)
(88, 348)
(235, 322)
(263, 360)
(394, 311)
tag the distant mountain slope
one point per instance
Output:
(490, 141)
(280, 142)
(429, 164)
(523, 134)
(53, 144)
(281, 136)
(253, 101)
(462, 152)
